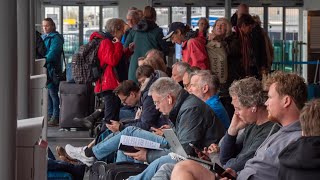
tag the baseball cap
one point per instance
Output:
(172, 28)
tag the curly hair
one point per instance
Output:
(249, 92)
(310, 118)
(289, 84)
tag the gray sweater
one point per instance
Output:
(265, 163)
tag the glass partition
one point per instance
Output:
(90, 21)
(196, 14)
(70, 30)
(163, 18)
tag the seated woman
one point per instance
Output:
(300, 160)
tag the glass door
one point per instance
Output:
(70, 30)
(91, 21)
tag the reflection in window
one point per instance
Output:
(109, 12)
(90, 21)
(163, 18)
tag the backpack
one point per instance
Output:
(85, 63)
(41, 49)
(218, 63)
(115, 171)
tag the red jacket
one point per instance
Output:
(108, 53)
(194, 53)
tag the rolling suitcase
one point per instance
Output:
(115, 171)
(76, 100)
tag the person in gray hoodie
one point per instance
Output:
(286, 97)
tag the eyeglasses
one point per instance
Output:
(157, 102)
(186, 86)
(123, 101)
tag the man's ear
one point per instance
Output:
(205, 88)
(287, 100)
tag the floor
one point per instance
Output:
(61, 137)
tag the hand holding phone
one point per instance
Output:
(199, 152)
(222, 172)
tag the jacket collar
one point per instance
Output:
(182, 96)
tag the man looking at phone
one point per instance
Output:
(286, 97)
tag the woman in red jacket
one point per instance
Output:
(109, 53)
(193, 49)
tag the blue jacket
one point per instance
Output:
(54, 44)
(216, 105)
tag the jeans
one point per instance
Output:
(53, 102)
(109, 145)
(111, 108)
(153, 168)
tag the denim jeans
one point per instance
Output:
(153, 168)
(109, 145)
(111, 108)
(53, 102)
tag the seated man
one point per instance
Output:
(178, 70)
(205, 86)
(300, 160)
(286, 97)
(251, 115)
(193, 120)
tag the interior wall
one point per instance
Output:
(311, 5)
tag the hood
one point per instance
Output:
(302, 154)
(101, 35)
(145, 25)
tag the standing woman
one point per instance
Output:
(193, 50)
(109, 53)
(54, 44)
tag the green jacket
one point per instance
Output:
(146, 35)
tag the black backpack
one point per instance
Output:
(85, 63)
(41, 49)
(115, 171)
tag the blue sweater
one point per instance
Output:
(215, 103)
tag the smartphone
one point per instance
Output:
(198, 150)
(221, 172)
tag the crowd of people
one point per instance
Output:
(214, 98)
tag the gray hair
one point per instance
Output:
(249, 92)
(135, 15)
(206, 77)
(113, 25)
(164, 86)
(181, 67)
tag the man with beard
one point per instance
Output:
(286, 97)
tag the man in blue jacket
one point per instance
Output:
(54, 44)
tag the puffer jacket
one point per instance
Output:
(194, 53)
(146, 35)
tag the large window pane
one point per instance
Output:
(179, 14)
(292, 24)
(163, 18)
(109, 12)
(196, 14)
(90, 21)
(70, 30)
(54, 13)
(275, 23)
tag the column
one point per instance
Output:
(8, 90)
(227, 6)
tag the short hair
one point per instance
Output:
(206, 77)
(126, 87)
(181, 67)
(114, 24)
(249, 92)
(155, 63)
(289, 84)
(157, 53)
(310, 118)
(135, 15)
(144, 70)
(164, 86)
(50, 20)
(245, 19)
(228, 25)
(150, 13)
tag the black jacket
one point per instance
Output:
(301, 159)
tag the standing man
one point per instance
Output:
(54, 44)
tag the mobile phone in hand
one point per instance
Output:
(197, 150)
(221, 172)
